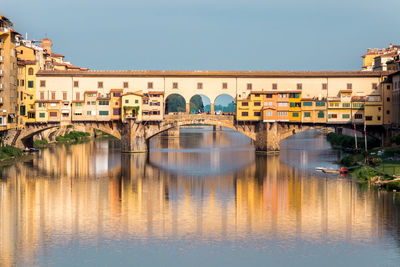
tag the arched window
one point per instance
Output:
(30, 71)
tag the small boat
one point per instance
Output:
(33, 149)
(327, 170)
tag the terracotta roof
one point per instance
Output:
(116, 90)
(358, 98)
(132, 93)
(26, 62)
(78, 101)
(346, 91)
(89, 92)
(254, 74)
(307, 98)
(56, 55)
(103, 98)
(156, 92)
(47, 101)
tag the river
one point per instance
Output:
(203, 199)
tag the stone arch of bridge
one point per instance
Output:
(111, 128)
(25, 138)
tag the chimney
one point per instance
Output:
(46, 44)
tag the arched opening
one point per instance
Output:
(175, 104)
(224, 105)
(200, 104)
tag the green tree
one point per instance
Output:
(196, 104)
(176, 103)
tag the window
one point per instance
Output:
(30, 84)
(31, 115)
(257, 104)
(99, 84)
(150, 85)
(89, 113)
(125, 84)
(117, 94)
(346, 105)
(174, 85)
(64, 95)
(358, 116)
(307, 104)
(116, 111)
(136, 101)
(245, 104)
(42, 115)
(294, 95)
(103, 112)
(349, 86)
(53, 95)
(374, 86)
(30, 71)
(379, 118)
(224, 85)
(199, 85)
(257, 113)
(126, 101)
(320, 104)
(22, 82)
(53, 114)
(22, 110)
(387, 112)
(78, 104)
(249, 86)
(358, 105)
(274, 86)
(104, 102)
(282, 113)
(41, 95)
(368, 118)
(270, 103)
(42, 83)
(295, 115)
(299, 86)
(76, 84)
(388, 87)
(245, 114)
(321, 114)
(388, 99)
(269, 95)
(307, 114)
(345, 116)
(324, 86)
(77, 96)
(282, 104)
(93, 103)
(283, 95)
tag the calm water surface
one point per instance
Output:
(204, 199)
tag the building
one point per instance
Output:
(251, 108)
(295, 106)
(153, 106)
(394, 79)
(132, 106)
(26, 91)
(8, 74)
(376, 59)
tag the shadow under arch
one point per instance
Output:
(175, 103)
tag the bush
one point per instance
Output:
(364, 173)
(39, 143)
(73, 136)
(9, 151)
(345, 141)
(348, 161)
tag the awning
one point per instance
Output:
(12, 116)
(78, 111)
(65, 111)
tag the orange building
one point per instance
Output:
(116, 95)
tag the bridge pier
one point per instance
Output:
(216, 128)
(267, 138)
(133, 139)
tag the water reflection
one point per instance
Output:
(91, 203)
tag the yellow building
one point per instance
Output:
(357, 109)
(307, 110)
(8, 75)
(339, 108)
(373, 110)
(387, 99)
(132, 106)
(41, 113)
(26, 91)
(295, 106)
(250, 109)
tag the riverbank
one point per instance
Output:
(382, 166)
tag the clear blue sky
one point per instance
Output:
(210, 34)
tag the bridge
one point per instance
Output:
(135, 135)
